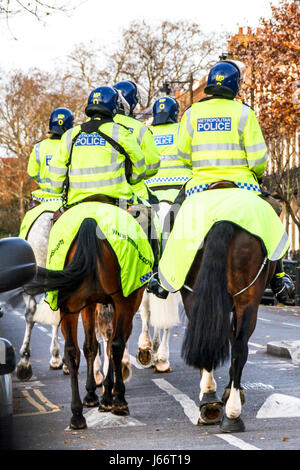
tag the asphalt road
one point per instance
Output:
(163, 407)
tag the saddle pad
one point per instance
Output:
(32, 215)
(124, 234)
(200, 211)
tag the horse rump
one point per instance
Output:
(84, 263)
(206, 341)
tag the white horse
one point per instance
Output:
(38, 238)
(162, 315)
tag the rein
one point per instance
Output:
(245, 288)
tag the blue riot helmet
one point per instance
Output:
(224, 78)
(102, 101)
(130, 93)
(165, 110)
(60, 121)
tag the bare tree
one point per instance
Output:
(37, 8)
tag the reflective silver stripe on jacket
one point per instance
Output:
(220, 162)
(169, 158)
(69, 141)
(143, 130)
(37, 153)
(57, 171)
(97, 169)
(242, 123)
(174, 167)
(97, 184)
(256, 147)
(153, 166)
(57, 184)
(189, 126)
(215, 147)
(115, 136)
(258, 161)
(186, 156)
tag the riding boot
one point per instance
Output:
(282, 285)
(155, 288)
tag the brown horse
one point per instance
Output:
(228, 275)
(92, 275)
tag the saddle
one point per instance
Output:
(222, 185)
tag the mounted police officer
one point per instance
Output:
(221, 141)
(61, 120)
(129, 98)
(172, 173)
(99, 157)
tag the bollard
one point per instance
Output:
(297, 291)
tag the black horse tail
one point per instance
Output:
(83, 264)
(206, 342)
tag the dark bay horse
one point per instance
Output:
(91, 275)
(222, 309)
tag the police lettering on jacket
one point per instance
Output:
(167, 139)
(214, 124)
(89, 140)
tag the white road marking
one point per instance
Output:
(257, 386)
(235, 441)
(190, 408)
(290, 324)
(278, 405)
(95, 419)
(43, 329)
(261, 346)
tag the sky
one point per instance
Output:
(27, 42)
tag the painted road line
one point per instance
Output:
(32, 401)
(96, 419)
(190, 408)
(278, 405)
(290, 324)
(236, 442)
(45, 400)
(257, 345)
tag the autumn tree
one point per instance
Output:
(26, 104)
(272, 87)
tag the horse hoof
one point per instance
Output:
(232, 425)
(105, 406)
(144, 358)
(162, 366)
(56, 365)
(211, 409)
(78, 422)
(24, 373)
(120, 410)
(90, 401)
(126, 372)
(65, 370)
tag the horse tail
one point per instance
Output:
(84, 263)
(206, 342)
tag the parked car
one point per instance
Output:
(18, 266)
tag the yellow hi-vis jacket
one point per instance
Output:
(94, 166)
(221, 139)
(38, 169)
(144, 138)
(173, 173)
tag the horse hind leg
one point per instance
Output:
(211, 407)
(232, 421)
(24, 368)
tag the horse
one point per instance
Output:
(92, 275)
(38, 238)
(163, 315)
(227, 278)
